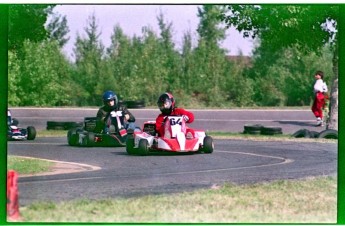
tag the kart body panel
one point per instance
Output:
(87, 136)
(177, 138)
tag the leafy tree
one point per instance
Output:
(187, 60)
(39, 78)
(120, 64)
(13, 79)
(169, 56)
(26, 22)
(307, 27)
(58, 29)
(209, 58)
(89, 52)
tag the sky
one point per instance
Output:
(132, 18)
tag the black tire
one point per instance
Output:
(208, 145)
(143, 148)
(72, 137)
(71, 125)
(271, 130)
(302, 133)
(31, 132)
(15, 122)
(135, 103)
(314, 134)
(130, 145)
(53, 125)
(329, 134)
(55, 128)
(252, 128)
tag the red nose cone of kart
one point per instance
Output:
(174, 145)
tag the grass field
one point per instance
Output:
(312, 200)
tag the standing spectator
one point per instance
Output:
(320, 88)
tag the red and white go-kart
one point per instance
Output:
(177, 138)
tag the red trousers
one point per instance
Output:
(319, 103)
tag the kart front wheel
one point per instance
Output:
(130, 145)
(143, 147)
(31, 133)
(208, 145)
(72, 137)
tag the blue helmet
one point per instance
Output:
(108, 96)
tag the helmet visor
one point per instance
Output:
(166, 104)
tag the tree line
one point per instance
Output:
(142, 67)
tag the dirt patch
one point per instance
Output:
(64, 168)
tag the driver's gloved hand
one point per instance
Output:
(185, 117)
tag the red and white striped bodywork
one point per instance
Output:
(177, 136)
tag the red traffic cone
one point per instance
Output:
(12, 196)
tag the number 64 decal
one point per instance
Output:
(174, 121)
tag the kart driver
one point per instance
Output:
(166, 105)
(9, 118)
(110, 108)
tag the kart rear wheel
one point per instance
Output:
(130, 145)
(208, 145)
(72, 137)
(31, 131)
(143, 147)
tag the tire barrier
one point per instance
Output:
(12, 205)
(260, 129)
(326, 134)
(252, 128)
(53, 125)
(270, 130)
(302, 133)
(134, 103)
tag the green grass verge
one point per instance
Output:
(52, 133)
(217, 135)
(28, 165)
(312, 200)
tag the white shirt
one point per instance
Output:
(320, 86)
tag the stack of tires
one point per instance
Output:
(326, 134)
(53, 125)
(260, 129)
(134, 103)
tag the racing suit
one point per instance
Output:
(189, 117)
(104, 119)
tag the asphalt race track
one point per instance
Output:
(122, 175)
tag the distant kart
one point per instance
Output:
(17, 133)
(178, 138)
(87, 136)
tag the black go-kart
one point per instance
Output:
(91, 136)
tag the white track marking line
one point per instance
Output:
(283, 161)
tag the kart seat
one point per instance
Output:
(112, 129)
